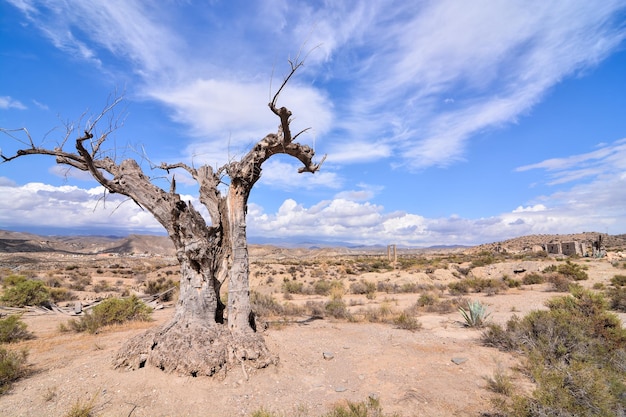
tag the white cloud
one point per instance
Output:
(42, 205)
(535, 208)
(7, 103)
(229, 116)
(607, 159)
(37, 205)
(417, 79)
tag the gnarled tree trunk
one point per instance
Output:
(199, 340)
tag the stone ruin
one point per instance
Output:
(591, 248)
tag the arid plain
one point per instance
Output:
(394, 332)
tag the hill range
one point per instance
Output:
(19, 242)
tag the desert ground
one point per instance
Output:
(438, 369)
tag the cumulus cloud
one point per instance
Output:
(71, 207)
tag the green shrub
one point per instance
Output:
(111, 311)
(322, 287)
(459, 287)
(475, 315)
(533, 278)
(426, 299)
(407, 322)
(572, 271)
(576, 354)
(61, 294)
(292, 287)
(363, 287)
(511, 282)
(486, 285)
(337, 308)
(619, 280)
(496, 336)
(617, 299)
(560, 283)
(26, 293)
(484, 259)
(13, 329)
(12, 367)
(12, 280)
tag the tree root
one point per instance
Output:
(194, 348)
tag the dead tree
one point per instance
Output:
(198, 340)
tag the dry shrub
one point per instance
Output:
(61, 294)
(12, 367)
(292, 287)
(576, 354)
(617, 299)
(13, 329)
(560, 283)
(265, 305)
(407, 321)
(160, 285)
(110, 311)
(533, 278)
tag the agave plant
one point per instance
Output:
(475, 315)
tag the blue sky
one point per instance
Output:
(443, 122)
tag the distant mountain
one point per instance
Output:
(12, 242)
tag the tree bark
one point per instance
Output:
(196, 341)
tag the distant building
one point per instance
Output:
(587, 248)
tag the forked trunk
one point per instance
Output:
(196, 341)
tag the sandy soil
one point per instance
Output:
(412, 373)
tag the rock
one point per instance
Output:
(458, 361)
(341, 389)
(328, 355)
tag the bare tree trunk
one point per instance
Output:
(196, 342)
(240, 319)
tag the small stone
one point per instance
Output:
(328, 355)
(458, 361)
(341, 389)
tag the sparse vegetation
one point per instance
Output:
(533, 278)
(407, 322)
(618, 281)
(13, 329)
(82, 409)
(110, 311)
(12, 367)
(26, 293)
(576, 354)
(500, 382)
(369, 408)
(160, 285)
